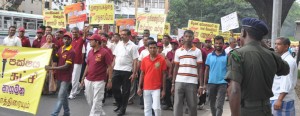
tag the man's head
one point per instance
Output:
(125, 34)
(197, 43)
(208, 43)
(67, 39)
(75, 32)
(145, 41)
(254, 29)
(152, 47)
(219, 43)
(167, 39)
(160, 47)
(43, 28)
(232, 42)
(95, 40)
(146, 33)
(59, 34)
(48, 30)
(21, 32)
(104, 41)
(12, 31)
(39, 33)
(116, 37)
(282, 45)
(174, 44)
(188, 37)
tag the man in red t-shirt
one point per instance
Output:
(65, 57)
(37, 42)
(153, 73)
(25, 41)
(97, 69)
(59, 38)
(77, 44)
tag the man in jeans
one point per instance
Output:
(187, 73)
(215, 71)
(125, 70)
(65, 57)
(153, 76)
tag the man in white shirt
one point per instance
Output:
(11, 39)
(145, 34)
(167, 45)
(232, 45)
(284, 86)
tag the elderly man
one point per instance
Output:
(232, 45)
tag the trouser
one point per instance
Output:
(133, 90)
(152, 101)
(75, 79)
(62, 99)
(287, 108)
(189, 92)
(217, 93)
(256, 108)
(168, 95)
(121, 79)
(94, 93)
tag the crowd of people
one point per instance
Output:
(168, 74)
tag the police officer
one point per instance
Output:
(251, 70)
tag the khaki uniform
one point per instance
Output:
(254, 67)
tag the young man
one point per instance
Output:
(48, 31)
(65, 57)
(37, 42)
(186, 76)
(153, 73)
(215, 71)
(25, 41)
(167, 45)
(283, 101)
(11, 39)
(98, 64)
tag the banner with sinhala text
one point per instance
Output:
(22, 77)
(203, 30)
(154, 22)
(55, 18)
(102, 14)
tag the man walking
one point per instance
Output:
(283, 101)
(98, 64)
(65, 58)
(125, 70)
(186, 75)
(152, 78)
(251, 70)
(215, 71)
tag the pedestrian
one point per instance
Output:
(65, 58)
(37, 42)
(11, 39)
(215, 71)
(95, 75)
(152, 78)
(125, 70)
(160, 47)
(167, 45)
(186, 76)
(24, 40)
(146, 33)
(232, 45)
(59, 38)
(283, 101)
(77, 44)
(251, 70)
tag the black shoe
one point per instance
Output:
(165, 107)
(117, 109)
(121, 113)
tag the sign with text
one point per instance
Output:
(166, 32)
(102, 14)
(22, 77)
(55, 18)
(229, 22)
(76, 13)
(203, 30)
(154, 22)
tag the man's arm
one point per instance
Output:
(164, 84)
(206, 73)
(175, 71)
(141, 81)
(63, 67)
(234, 91)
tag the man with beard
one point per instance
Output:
(215, 71)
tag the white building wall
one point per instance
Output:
(31, 7)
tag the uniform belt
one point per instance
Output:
(257, 103)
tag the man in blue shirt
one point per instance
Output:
(215, 71)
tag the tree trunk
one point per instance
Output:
(264, 10)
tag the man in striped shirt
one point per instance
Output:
(187, 69)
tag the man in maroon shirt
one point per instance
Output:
(65, 57)
(97, 68)
(37, 42)
(77, 44)
(25, 41)
(59, 38)
(47, 31)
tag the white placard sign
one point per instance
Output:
(229, 22)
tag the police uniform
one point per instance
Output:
(254, 68)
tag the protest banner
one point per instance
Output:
(203, 30)
(102, 14)
(125, 22)
(90, 2)
(54, 18)
(167, 31)
(22, 77)
(226, 35)
(154, 22)
(76, 13)
(229, 22)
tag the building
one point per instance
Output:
(26, 6)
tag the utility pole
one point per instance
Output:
(166, 6)
(136, 3)
(276, 20)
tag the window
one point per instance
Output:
(31, 1)
(154, 4)
(141, 4)
(0, 22)
(18, 22)
(7, 22)
(161, 4)
(29, 23)
(31, 12)
(147, 3)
